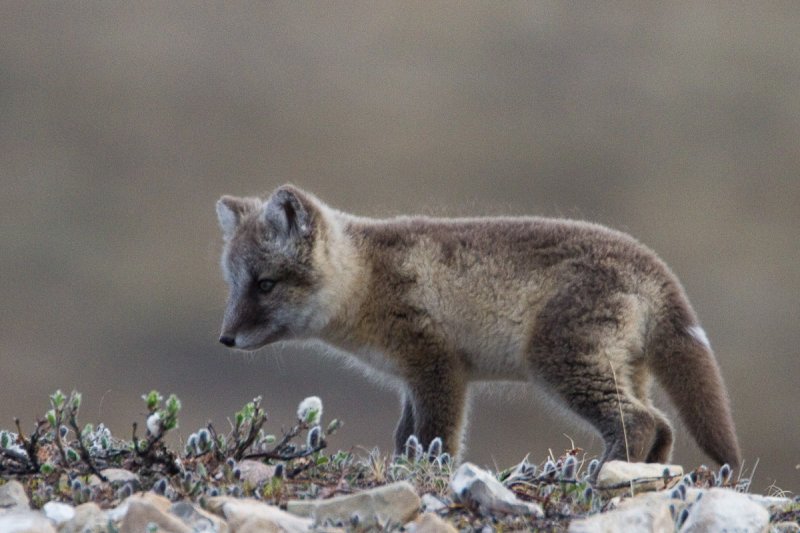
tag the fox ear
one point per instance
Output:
(229, 212)
(286, 212)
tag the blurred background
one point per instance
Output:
(121, 124)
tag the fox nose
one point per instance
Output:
(230, 342)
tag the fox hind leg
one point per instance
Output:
(587, 349)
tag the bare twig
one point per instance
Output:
(85, 455)
(30, 445)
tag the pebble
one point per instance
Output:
(248, 515)
(12, 496)
(58, 512)
(622, 477)
(396, 503)
(478, 488)
(25, 521)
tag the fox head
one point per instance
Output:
(271, 263)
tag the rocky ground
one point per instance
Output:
(61, 477)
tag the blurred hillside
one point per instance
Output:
(121, 124)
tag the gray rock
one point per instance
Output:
(25, 521)
(198, 519)
(429, 523)
(119, 476)
(726, 510)
(432, 504)
(396, 503)
(146, 509)
(251, 516)
(643, 514)
(785, 527)
(255, 472)
(773, 504)
(13, 497)
(58, 512)
(478, 488)
(88, 518)
(622, 476)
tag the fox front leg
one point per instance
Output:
(437, 401)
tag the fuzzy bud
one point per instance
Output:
(154, 424)
(310, 410)
(435, 448)
(160, 486)
(125, 491)
(411, 447)
(682, 518)
(313, 438)
(725, 473)
(594, 464)
(204, 439)
(549, 468)
(568, 470)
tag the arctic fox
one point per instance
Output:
(584, 312)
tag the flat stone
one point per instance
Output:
(396, 503)
(622, 477)
(88, 518)
(198, 519)
(144, 511)
(120, 476)
(251, 516)
(25, 521)
(433, 504)
(773, 504)
(726, 510)
(478, 488)
(429, 523)
(640, 518)
(785, 527)
(255, 472)
(159, 502)
(12, 496)
(58, 512)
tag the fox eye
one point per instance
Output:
(266, 285)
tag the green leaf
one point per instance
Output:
(72, 455)
(76, 400)
(46, 469)
(51, 418)
(57, 399)
(333, 426)
(152, 399)
(312, 416)
(173, 405)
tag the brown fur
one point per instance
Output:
(584, 311)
